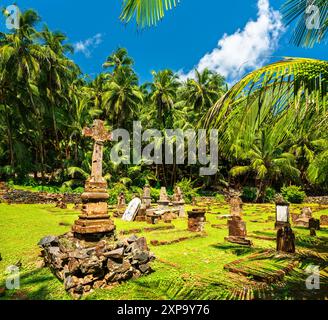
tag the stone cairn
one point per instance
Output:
(83, 267)
(90, 256)
(196, 220)
(178, 201)
(286, 240)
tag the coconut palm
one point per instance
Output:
(202, 92)
(163, 94)
(122, 96)
(118, 59)
(146, 12)
(305, 12)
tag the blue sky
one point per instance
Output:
(187, 37)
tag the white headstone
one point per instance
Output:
(132, 210)
(282, 213)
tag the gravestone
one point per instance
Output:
(121, 200)
(178, 201)
(314, 224)
(132, 210)
(282, 212)
(146, 197)
(324, 220)
(286, 240)
(94, 222)
(196, 220)
(163, 201)
(237, 231)
(235, 206)
(303, 219)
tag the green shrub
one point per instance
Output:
(187, 189)
(293, 194)
(114, 191)
(78, 190)
(249, 194)
(154, 193)
(269, 194)
(219, 197)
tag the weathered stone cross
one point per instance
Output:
(99, 133)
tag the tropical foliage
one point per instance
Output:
(272, 124)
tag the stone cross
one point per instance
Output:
(99, 133)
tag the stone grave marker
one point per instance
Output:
(196, 220)
(282, 212)
(235, 206)
(163, 201)
(146, 197)
(324, 220)
(286, 240)
(178, 201)
(132, 209)
(303, 219)
(237, 231)
(94, 222)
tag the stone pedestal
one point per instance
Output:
(286, 240)
(237, 231)
(196, 220)
(94, 223)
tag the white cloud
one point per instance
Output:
(87, 45)
(246, 49)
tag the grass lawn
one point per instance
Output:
(191, 269)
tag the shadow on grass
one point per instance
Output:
(237, 250)
(34, 285)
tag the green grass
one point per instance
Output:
(192, 269)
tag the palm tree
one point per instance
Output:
(267, 160)
(304, 11)
(118, 59)
(202, 92)
(147, 12)
(163, 94)
(122, 96)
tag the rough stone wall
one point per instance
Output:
(28, 197)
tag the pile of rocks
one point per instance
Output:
(28, 197)
(84, 266)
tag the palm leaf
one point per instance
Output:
(146, 12)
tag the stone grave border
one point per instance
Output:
(146, 229)
(157, 243)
